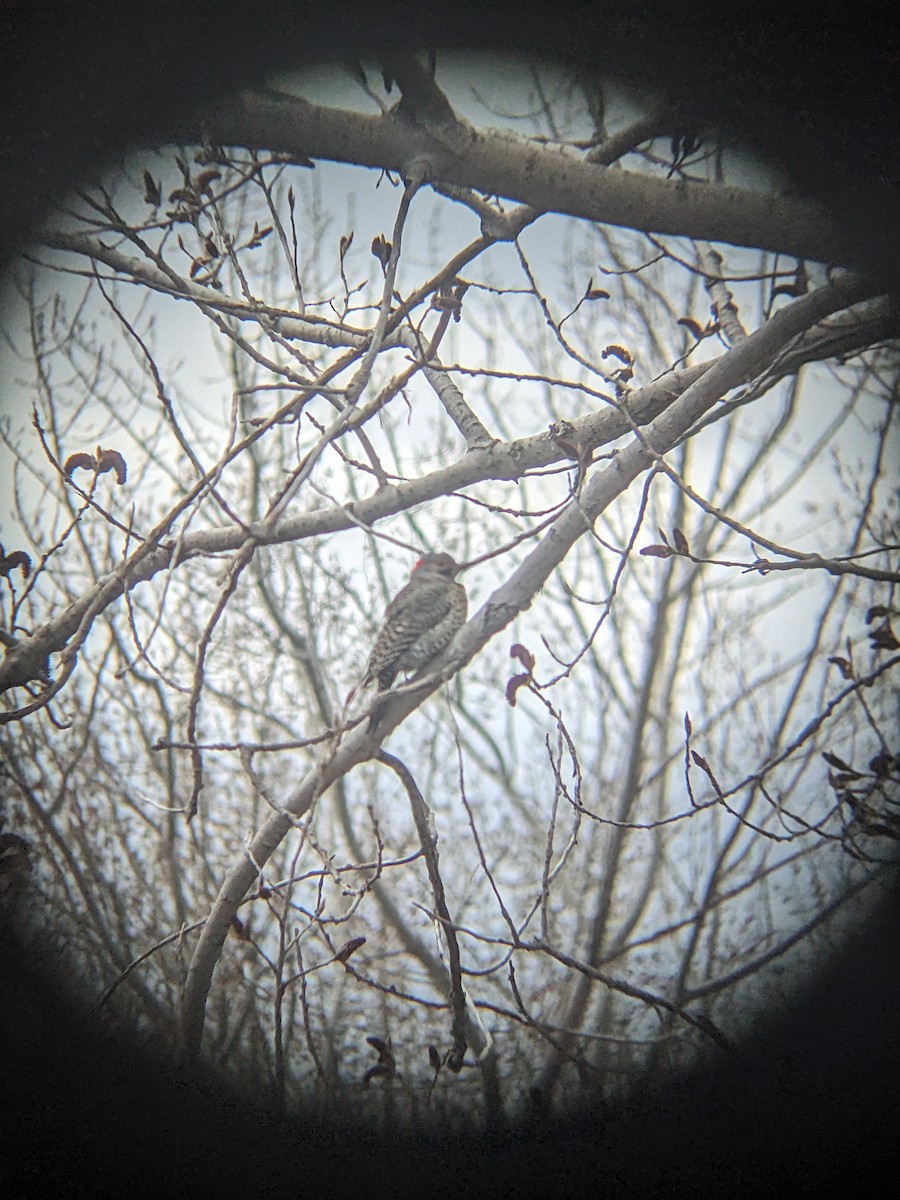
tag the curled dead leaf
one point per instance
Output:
(681, 542)
(386, 1067)
(348, 948)
(692, 326)
(152, 190)
(523, 654)
(834, 761)
(381, 248)
(205, 180)
(112, 460)
(9, 562)
(624, 356)
(513, 685)
(883, 638)
(82, 460)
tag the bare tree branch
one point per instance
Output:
(548, 180)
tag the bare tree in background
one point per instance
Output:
(641, 394)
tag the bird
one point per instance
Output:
(419, 622)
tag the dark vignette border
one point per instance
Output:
(816, 1100)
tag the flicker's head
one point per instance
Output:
(437, 566)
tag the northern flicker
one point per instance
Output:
(419, 621)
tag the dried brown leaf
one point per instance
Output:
(619, 352)
(9, 562)
(152, 190)
(348, 948)
(692, 326)
(513, 685)
(381, 248)
(883, 637)
(112, 460)
(523, 654)
(203, 182)
(82, 460)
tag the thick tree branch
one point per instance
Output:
(550, 180)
